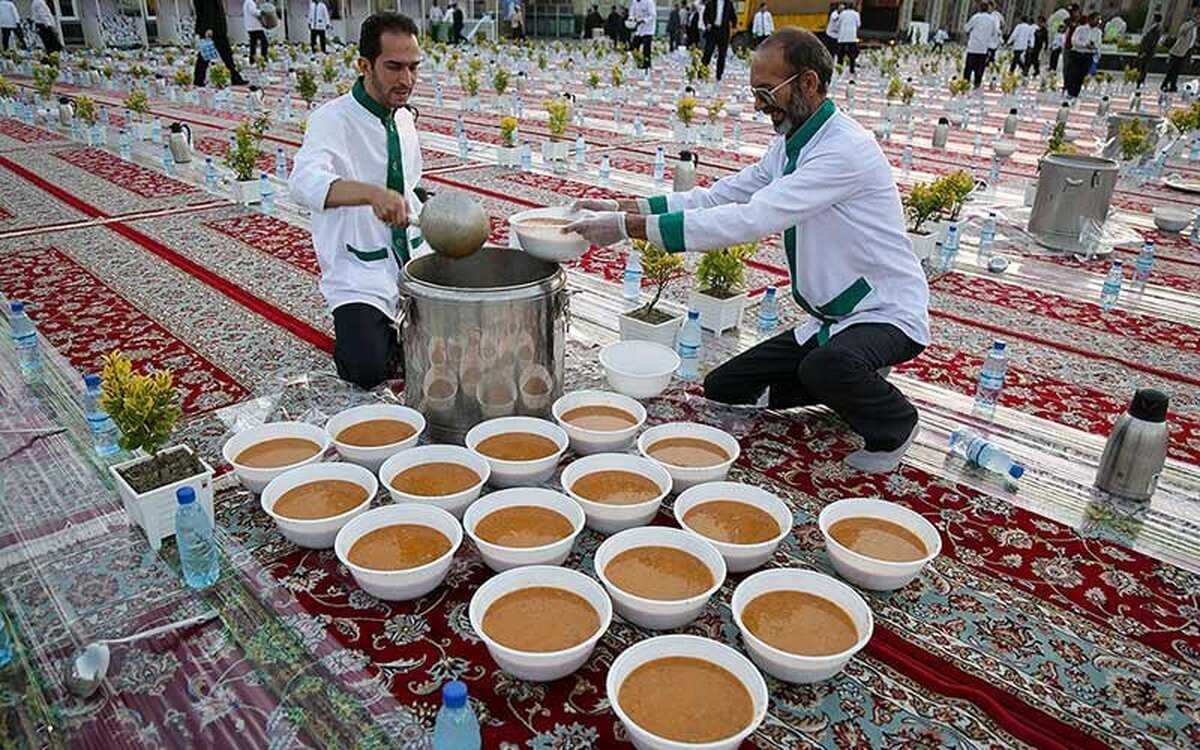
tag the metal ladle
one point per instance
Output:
(88, 669)
(453, 224)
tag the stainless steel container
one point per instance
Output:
(1112, 140)
(1071, 190)
(483, 337)
(1136, 450)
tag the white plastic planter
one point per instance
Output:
(633, 329)
(718, 315)
(154, 511)
(246, 192)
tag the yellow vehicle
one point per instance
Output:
(807, 14)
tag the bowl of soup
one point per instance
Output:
(449, 477)
(262, 453)
(599, 421)
(744, 523)
(523, 526)
(691, 453)
(800, 625)
(540, 622)
(679, 692)
(877, 544)
(522, 451)
(367, 435)
(616, 490)
(311, 504)
(639, 369)
(658, 577)
(399, 552)
(540, 233)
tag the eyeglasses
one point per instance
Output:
(766, 96)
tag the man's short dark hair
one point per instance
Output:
(803, 51)
(369, 44)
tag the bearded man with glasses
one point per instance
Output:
(826, 185)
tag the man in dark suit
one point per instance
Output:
(456, 24)
(673, 27)
(210, 23)
(719, 17)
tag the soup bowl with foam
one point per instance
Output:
(668, 646)
(870, 572)
(501, 558)
(409, 583)
(540, 666)
(255, 479)
(608, 518)
(455, 503)
(529, 473)
(739, 558)
(316, 533)
(585, 442)
(686, 477)
(659, 614)
(785, 665)
(372, 457)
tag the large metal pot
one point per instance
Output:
(1112, 141)
(1072, 189)
(483, 337)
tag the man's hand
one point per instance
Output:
(600, 228)
(605, 204)
(208, 34)
(390, 207)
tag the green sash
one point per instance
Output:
(395, 172)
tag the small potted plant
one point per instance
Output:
(685, 114)
(306, 86)
(500, 82)
(1135, 143)
(593, 83)
(648, 323)
(714, 131)
(85, 112)
(509, 154)
(720, 296)
(138, 104)
(329, 76)
(145, 408)
(243, 157)
(219, 77)
(44, 78)
(469, 81)
(558, 114)
(616, 76)
(923, 205)
(8, 93)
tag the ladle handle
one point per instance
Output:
(197, 620)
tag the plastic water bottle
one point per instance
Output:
(437, 93)
(6, 644)
(124, 146)
(210, 175)
(980, 452)
(464, 148)
(768, 312)
(689, 347)
(267, 191)
(25, 342)
(168, 161)
(1194, 150)
(906, 160)
(526, 157)
(631, 285)
(639, 127)
(977, 148)
(105, 435)
(194, 536)
(994, 173)
(605, 170)
(660, 164)
(281, 167)
(737, 131)
(580, 151)
(991, 378)
(947, 250)
(1145, 261)
(459, 126)
(1045, 131)
(456, 727)
(156, 130)
(1112, 287)
(1194, 238)
(987, 236)
(519, 107)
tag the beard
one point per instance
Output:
(795, 114)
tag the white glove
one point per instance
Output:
(600, 228)
(595, 204)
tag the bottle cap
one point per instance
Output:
(693, 315)
(1012, 110)
(999, 345)
(1016, 471)
(17, 307)
(943, 121)
(91, 379)
(185, 495)
(454, 694)
(1149, 405)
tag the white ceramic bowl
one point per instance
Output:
(373, 458)
(1004, 148)
(682, 477)
(640, 369)
(738, 557)
(455, 504)
(518, 473)
(586, 442)
(400, 585)
(317, 533)
(868, 572)
(665, 646)
(547, 242)
(256, 480)
(1171, 219)
(500, 558)
(549, 665)
(605, 517)
(785, 665)
(656, 614)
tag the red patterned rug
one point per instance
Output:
(272, 236)
(127, 175)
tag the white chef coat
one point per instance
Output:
(848, 23)
(1086, 39)
(10, 17)
(849, 256)
(645, 14)
(831, 26)
(1021, 38)
(999, 34)
(250, 14)
(764, 24)
(1185, 39)
(345, 140)
(40, 12)
(435, 15)
(980, 29)
(318, 16)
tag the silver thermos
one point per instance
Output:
(1136, 450)
(941, 132)
(685, 172)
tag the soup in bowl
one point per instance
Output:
(616, 490)
(876, 544)
(599, 421)
(523, 526)
(312, 503)
(399, 552)
(449, 477)
(691, 453)
(368, 435)
(522, 451)
(744, 523)
(259, 454)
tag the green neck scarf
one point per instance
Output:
(395, 168)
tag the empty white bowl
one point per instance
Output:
(785, 665)
(500, 558)
(455, 504)
(317, 533)
(544, 241)
(738, 557)
(1004, 149)
(518, 473)
(399, 585)
(684, 477)
(373, 458)
(606, 517)
(666, 646)
(1171, 219)
(548, 665)
(869, 572)
(256, 480)
(656, 614)
(639, 369)
(586, 442)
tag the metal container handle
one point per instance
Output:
(1095, 180)
(1071, 182)
(407, 311)
(562, 301)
